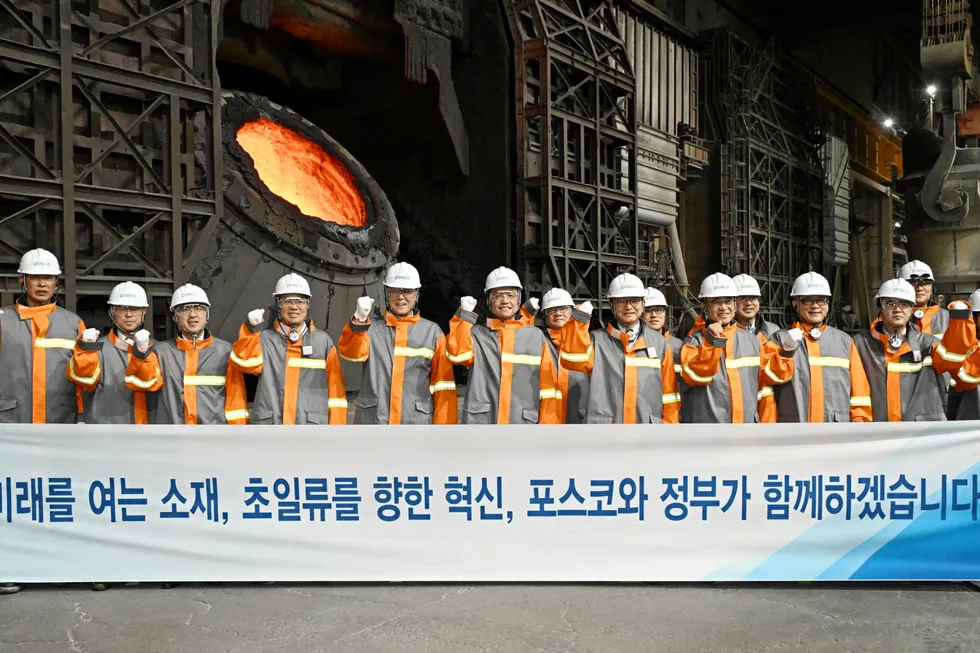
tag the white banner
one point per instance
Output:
(492, 503)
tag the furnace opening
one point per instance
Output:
(302, 173)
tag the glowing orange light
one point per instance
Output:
(301, 172)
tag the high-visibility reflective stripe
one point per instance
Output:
(747, 361)
(910, 367)
(700, 379)
(204, 380)
(440, 386)
(236, 414)
(963, 376)
(308, 363)
(54, 343)
(84, 380)
(576, 358)
(462, 358)
(950, 356)
(927, 361)
(772, 375)
(139, 383)
(550, 394)
(520, 359)
(245, 362)
(354, 360)
(677, 368)
(765, 392)
(860, 401)
(830, 361)
(642, 362)
(337, 403)
(938, 335)
(411, 352)
(671, 397)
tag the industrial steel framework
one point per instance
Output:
(771, 174)
(576, 221)
(102, 106)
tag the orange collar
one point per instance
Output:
(624, 338)
(391, 319)
(883, 338)
(187, 344)
(30, 312)
(503, 325)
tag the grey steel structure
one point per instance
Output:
(102, 106)
(771, 173)
(576, 222)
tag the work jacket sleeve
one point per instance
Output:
(355, 343)
(549, 403)
(766, 405)
(246, 353)
(576, 352)
(236, 400)
(143, 373)
(951, 352)
(528, 312)
(860, 389)
(79, 404)
(671, 393)
(776, 366)
(968, 376)
(459, 345)
(84, 367)
(337, 394)
(700, 364)
(442, 385)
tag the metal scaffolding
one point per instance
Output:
(103, 107)
(576, 223)
(771, 174)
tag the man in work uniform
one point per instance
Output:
(721, 364)
(815, 369)
(963, 402)
(36, 340)
(905, 366)
(927, 316)
(512, 377)
(407, 379)
(116, 371)
(557, 306)
(300, 380)
(199, 385)
(630, 366)
(747, 304)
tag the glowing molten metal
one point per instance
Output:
(301, 172)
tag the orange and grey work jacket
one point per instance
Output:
(114, 377)
(762, 329)
(627, 384)
(573, 386)
(907, 384)
(35, 346)
(512, 377)
(822, 380)
(407, 377)
(726, 383)
(934, 320)
(299, 382)
(199, 384)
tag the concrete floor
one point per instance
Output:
(509, 618)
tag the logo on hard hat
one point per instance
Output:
(127, 294)
(403, 277)
(814, 285)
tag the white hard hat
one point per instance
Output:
(292, 284)
(975, 301)
(718, 285)
(654, 297)
(189, 294)
(747, 286)
(626, 285)
(502, 278)
(403, 275)
(40, 262)
(810, 284)
(896, 289)
(915, 270)
(556, 297)
(128, 294)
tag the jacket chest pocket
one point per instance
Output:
(477, 412)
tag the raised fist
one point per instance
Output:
(715, 329)
(467, 303)
(795, 337)
(535, 303)
(364, 305)
(90, 335)
(256, 317)
(586, 307)
(142, 340)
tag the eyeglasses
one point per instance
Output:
(504, 294)
(187, 308)
(623, 302)
(402, 292)
(920, 281)
(815, 301)
(657, 310)
(558, 310)
(896, 303)
(721, 301)
(295, 301)
(127, 309)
